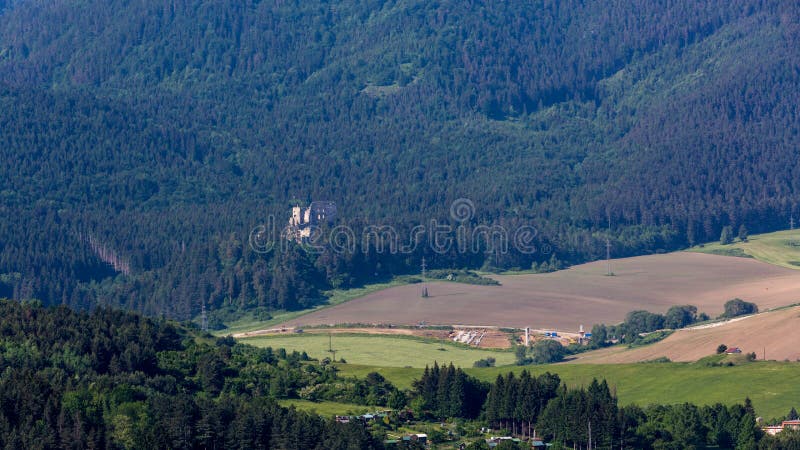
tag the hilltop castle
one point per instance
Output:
(303, 220)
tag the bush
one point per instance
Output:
(660, 359)
(637, 322)
(722, 348)
(547, 351)
(738, 307)
(488, 362)
(461, 276)
(649, 338)
(680, 316)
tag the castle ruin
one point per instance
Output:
(303, 220)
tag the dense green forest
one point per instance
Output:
(157, 135)
(118, 380)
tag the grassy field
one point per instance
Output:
(386, 351)
(781, 248)
(771, 386)
(327, 408)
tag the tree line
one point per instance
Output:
(639, 323)
(568, 417)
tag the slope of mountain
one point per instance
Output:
(162, 133)
(772, 334)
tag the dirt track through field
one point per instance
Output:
(491, 338)
(775, 333)
(580, 295)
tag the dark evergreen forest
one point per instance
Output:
(157, 135)
(118, 380)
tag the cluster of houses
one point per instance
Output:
(494, 441)
(785, 425)
(363, 418)
(421, 438)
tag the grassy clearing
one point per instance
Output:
(327, 408)
(781, 248)
(771, 386)
(335, 297)
(401, 377)
(384, 351)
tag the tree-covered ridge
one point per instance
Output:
(165, 132)
(542, 53)
(116, 380)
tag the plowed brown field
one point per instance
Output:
(580, 295)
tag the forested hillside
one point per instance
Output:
(157, 135)
(118, 380)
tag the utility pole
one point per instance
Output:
(424, 284)
(330, 347)
(608, 249)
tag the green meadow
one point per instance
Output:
(772, 386)
(326, 408)
(781, 248)
(384, 351)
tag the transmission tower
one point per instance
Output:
(424, 284)
(608, 249)
(204, 318)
